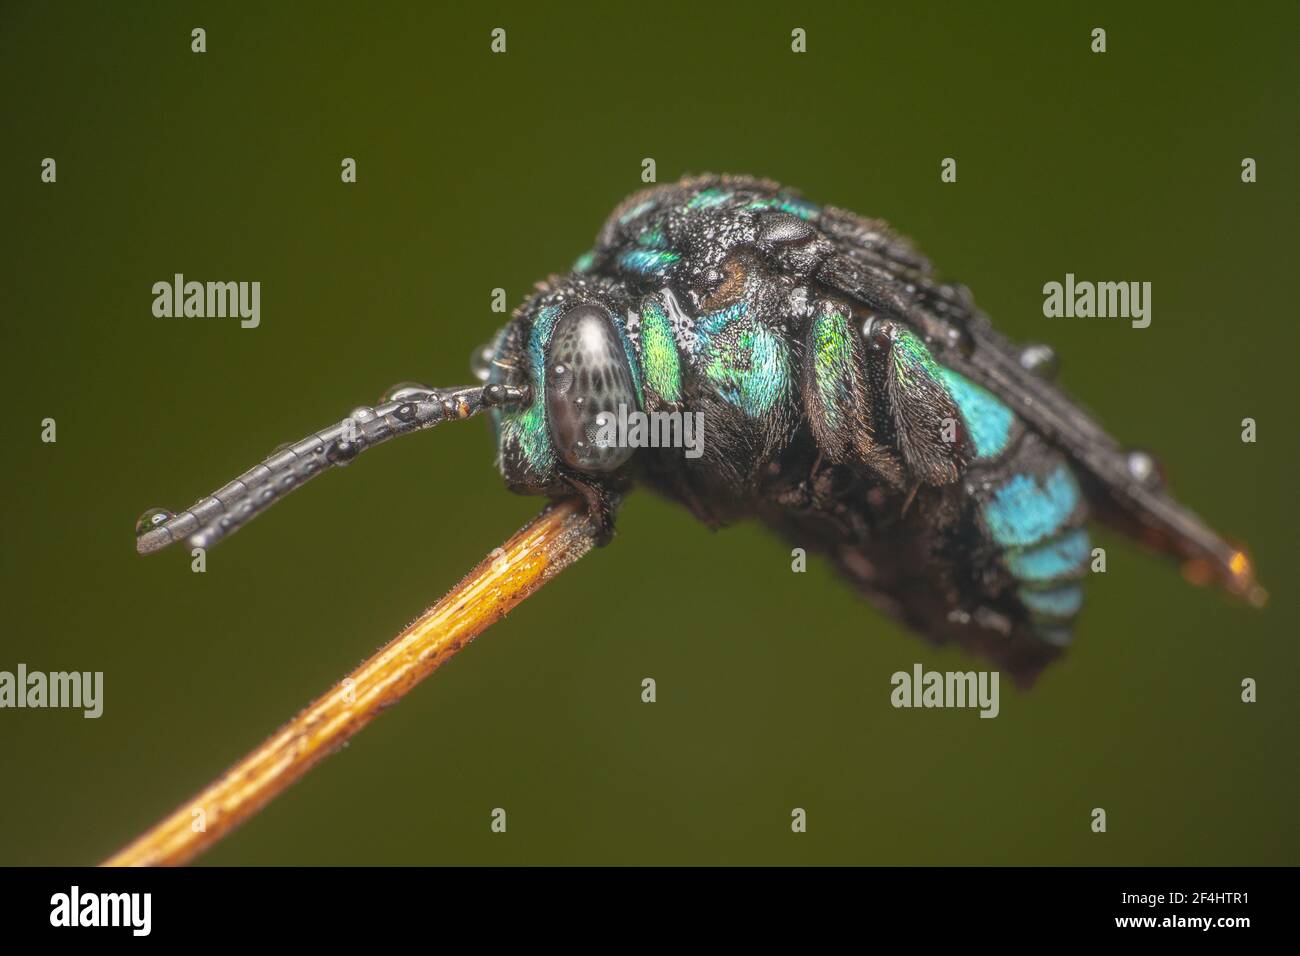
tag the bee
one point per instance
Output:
(851, 401)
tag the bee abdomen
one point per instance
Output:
(994, 429)
(1050, 582)
(1033, 511)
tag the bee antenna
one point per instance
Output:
(402, 410)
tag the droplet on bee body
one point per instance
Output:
(153, 518)
(1144, 468)
(959, 338)
(1040, 360)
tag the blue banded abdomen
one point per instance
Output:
(1030, 508)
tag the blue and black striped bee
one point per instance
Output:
(849, 400)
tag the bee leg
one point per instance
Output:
(837, 396)
(678, 486)
(602, 505)
(928, 426)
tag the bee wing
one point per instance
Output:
(1127, 497)
(1124, 484)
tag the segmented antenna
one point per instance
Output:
(404, 410)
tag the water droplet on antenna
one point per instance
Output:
(342, 452)
(391, 393)
(153, 518)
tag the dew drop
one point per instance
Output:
(960, 338)
(391, 393)
(341, 452)
(480, 362)
(1040, 360)
(153, 518)
(1144, 468)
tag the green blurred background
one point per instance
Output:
(478, 171)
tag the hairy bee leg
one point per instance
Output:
(837, 395)
(602, 506)
(409, 409)
(928, 426)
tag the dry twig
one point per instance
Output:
(551, 542)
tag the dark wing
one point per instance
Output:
(880, 271)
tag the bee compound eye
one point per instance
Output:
(588, 387)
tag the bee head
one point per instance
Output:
(568, 346)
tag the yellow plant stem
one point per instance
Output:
(551, 542)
